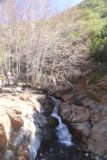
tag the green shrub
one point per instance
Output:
(98, 46)
(104, 14)
(89, 3)
(97, 76)
(92, 4)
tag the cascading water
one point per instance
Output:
(60, 146)
(62, 131)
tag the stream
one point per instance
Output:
(62, 132)
(61, 145)
(61, 140)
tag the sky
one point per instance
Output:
(61, 5)
(54, 7)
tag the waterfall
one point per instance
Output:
(62, 131)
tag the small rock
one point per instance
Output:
(41, 154)
(61, 152)
(97, 158)
(53, 122)
(25, 97)
(86, 154)
(9, 155)
(16, 122)
(51, 150)
(41, 121)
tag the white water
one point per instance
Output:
(62, 131)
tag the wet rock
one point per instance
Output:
(78, 117)
(53, 122)
(9, 155)
(48, 134)
(87, 118)
(42, 121)
(47, 107)
(83, 129)
(48, 129)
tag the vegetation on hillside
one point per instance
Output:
(57, 48)
(95, 19)
(98, 46)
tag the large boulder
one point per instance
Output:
(98, 138)
(77, 117)
(18, 116)
(87, 119)
(74, 113)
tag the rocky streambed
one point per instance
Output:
(62, 146)
(31, 128)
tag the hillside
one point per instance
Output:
(59, 46)
(76, 31)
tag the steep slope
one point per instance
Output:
(72, 32)
(57, 48)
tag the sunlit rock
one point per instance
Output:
(20, 133)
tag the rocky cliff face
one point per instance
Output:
(86, 115)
